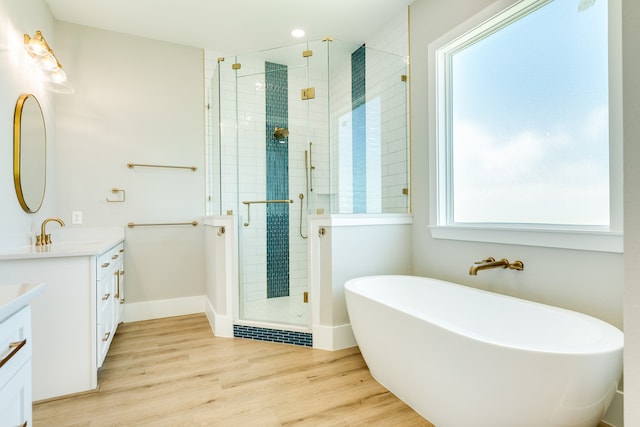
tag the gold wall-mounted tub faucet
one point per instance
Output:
(490, 262)
(43, 238)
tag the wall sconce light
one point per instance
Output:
(38, 49)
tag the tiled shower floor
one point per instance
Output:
(290, 310)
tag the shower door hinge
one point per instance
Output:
(327, 39)
(307, 53)
(403, 77)
(305, 297)
(236, 66)
(308, 93)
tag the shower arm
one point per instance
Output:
(251, 202)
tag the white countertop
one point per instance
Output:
(69, 242)
(14, 297)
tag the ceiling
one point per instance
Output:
(233, 26)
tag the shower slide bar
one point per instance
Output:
(193, 223)
(132, 165)
(301, 196)
(252, 202)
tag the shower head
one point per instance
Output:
(280, 134)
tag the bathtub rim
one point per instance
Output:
(611, 339)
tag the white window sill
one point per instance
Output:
(588, 240)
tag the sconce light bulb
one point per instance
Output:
(49, 62)
(35, 48)
(59, 76)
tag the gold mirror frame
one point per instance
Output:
(29, 153)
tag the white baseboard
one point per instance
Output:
(157, 309)
(333, 337)
(222, 326)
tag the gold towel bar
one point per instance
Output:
(131, 224)
(132, 165)
(249, 202)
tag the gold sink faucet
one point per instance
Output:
(492, 263)
(43, 238)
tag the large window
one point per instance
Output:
(523, 131)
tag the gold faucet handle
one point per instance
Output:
(484, 261)
(516, 265)
(39, 240)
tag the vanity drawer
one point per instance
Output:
(15, 343)
(105, 329)
(110, 259)
(104, 292)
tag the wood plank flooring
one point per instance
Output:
(174, 372)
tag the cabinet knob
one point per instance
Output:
(105, 265)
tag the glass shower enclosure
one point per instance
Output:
(311, 129)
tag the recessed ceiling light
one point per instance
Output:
(297, 33)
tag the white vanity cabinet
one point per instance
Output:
(78, 308)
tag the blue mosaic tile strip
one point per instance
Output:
(277, 115)
(359, 129)
(304, 339)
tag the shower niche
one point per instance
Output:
(318, 128)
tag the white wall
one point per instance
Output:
(136, 101)
(17, 76)
(631, 90)
(351, 246)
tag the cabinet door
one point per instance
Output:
(15, 369)
(15, 399)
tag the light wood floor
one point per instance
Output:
(174, 372)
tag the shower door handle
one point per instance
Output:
(251, 202)
(311, 167)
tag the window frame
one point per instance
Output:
(594, 238)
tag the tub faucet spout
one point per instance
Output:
(492, 263)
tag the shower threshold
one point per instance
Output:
(273, 333)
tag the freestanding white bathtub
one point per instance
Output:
(463, 357)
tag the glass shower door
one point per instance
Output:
(272, 142)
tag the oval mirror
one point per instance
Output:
(29, 153)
